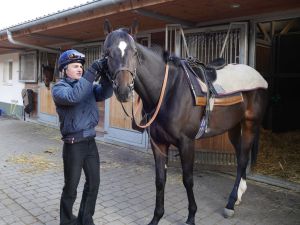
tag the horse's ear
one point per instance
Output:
(134, 27)
(107, 27)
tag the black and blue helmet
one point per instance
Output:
(70, 56)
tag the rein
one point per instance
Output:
(162, 93)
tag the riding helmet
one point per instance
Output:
(70, 56)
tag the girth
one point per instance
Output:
(221, 100)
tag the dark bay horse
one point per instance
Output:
(133, 66)
(48, 75)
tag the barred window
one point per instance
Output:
(91, 53)
(28, 67)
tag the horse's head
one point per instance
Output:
(48, 75)
(121, 52)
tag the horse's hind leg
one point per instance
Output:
(235, 138)
(187, 155)
(160, 152)
(243, 146)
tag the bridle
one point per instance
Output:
(121, 69)
(134, 111)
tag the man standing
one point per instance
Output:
(75, 98)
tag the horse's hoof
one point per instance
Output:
(228, 213)
(190, 222)
(153, 223)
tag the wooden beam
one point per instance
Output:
(273, 28)
(162, 17)
(286, 29)
(263, 30)
(38, 36)
(263, 42)
(12, 48)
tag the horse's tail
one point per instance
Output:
(255, 146)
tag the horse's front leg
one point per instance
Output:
(160, 152)
(187, 155)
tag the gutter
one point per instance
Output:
(11, 40)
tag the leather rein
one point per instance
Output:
(162, 93)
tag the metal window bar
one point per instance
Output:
(207, 46)
(91, 53)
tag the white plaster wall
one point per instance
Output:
(11, 92)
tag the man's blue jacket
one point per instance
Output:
(76, 106)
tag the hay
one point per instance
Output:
(32, 163)
(279, 155)
(110, 165)
(56, 138)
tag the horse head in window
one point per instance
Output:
(48, 75)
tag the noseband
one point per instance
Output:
(132, 73)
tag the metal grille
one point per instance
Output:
(207, 158)
(91, 53)
(28, 67)
(207, 46)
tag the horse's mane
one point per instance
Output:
(158, 51)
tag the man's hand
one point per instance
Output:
(96, 70)
(100, 66)
(104, 80)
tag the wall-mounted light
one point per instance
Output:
(235, 5)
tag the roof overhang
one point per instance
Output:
(84, 23)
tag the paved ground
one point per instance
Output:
(31, 180)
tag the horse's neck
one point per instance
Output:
(150, 75)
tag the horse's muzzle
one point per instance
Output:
(123, 85)
(123, 94)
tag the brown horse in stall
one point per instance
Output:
(48, 75)
(134, 67)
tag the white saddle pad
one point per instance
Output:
(237, 77)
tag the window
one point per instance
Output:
(206, 43)
(91, 53)
(10, 67)
(8, 72)
(28, 67)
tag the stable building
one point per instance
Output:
(262, 34)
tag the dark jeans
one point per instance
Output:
(82, 155)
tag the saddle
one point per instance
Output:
(207, 74)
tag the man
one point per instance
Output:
(75, 98)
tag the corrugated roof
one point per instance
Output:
(49, 14)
